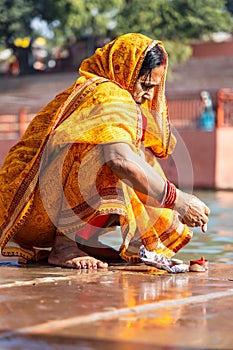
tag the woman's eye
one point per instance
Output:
(147, 87)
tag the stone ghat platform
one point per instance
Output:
(123, 307)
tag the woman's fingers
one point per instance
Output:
(204, 228)
(206, 209)
(193, 211)
(196, 216)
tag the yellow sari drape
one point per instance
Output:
(54, 180)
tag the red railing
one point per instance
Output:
(184, 113)
(12, 126)
(225, 108)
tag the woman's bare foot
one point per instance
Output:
(65, 253)
(99, 250)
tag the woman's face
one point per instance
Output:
(145, 85)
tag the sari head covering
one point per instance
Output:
(120, 61)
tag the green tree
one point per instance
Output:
(175, 19)
(87, 17)
(202, 18)
(15, 22)
(229, 5)
(176, 22)
(12, 13)
(16, 16)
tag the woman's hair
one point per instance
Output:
(154, 58)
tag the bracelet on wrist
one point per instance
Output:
(170, 195)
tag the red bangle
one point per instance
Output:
(170, 196)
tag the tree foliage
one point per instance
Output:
(16, 16)
(164, 19)
(12, 13)
(229, 5)
(174, 21)
(88, 17)
(177, 19)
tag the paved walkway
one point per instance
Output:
(32, 91)
(123, 307)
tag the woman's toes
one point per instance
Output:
(82, 263)
(91, 264)
(101, 264)
(73, 264)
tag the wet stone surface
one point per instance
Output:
(122, 307)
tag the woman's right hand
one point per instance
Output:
(193, 211)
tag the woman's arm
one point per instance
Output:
(134, 170)
(137, 173)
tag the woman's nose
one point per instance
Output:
(149, 94)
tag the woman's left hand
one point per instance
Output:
(193, 211)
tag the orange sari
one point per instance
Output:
(55, 181)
